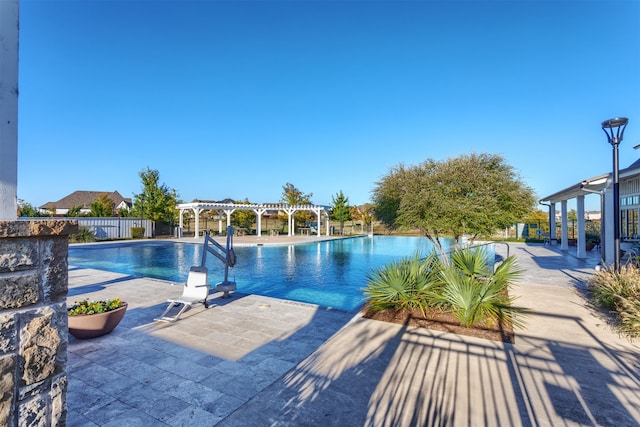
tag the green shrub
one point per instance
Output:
(466, 286)
(407, 284)
(474, 293)
(619, 292)
(137, 232)
(94, 307)
(84, 235)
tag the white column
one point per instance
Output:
(196, 212)
(259, 212)
(327, 220)
(9, 20)
(228, 212)
(181, 218)
(581, 243)
(290, 221)
(552, 221)
(318, 213)
(220, 212)
(565, 228)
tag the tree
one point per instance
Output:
(541, 221)
(243, 218)
(157, 202)
(292, 196)
(28, 210)
(367, 215)
(124, 212)
(538, 217)
(572, 216)
(340, 210)
(102, 206)
(73, 211)
(473, 194)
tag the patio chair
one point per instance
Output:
(195, 290)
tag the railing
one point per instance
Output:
(493, 243)
(496, 262)
(108, 228)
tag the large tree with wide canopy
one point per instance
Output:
(470, 195)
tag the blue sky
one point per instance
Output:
(237, 98)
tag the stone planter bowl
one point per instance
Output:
(95, 325)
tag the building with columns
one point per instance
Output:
(601, 185)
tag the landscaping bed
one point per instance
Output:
(443, 321)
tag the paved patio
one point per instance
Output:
(258, 361)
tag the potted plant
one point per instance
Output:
(90, 319)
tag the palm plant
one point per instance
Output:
(473, 292)
(407, 284)
(83, 235)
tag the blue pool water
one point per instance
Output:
(330, 273)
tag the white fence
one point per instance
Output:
(111, 228)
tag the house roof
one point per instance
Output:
(84, 199)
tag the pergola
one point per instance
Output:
(259, 209)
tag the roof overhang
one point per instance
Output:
(595, 184)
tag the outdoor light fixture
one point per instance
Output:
(614, 128)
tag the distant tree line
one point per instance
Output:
(469, 195)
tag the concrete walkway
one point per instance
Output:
(257, 361)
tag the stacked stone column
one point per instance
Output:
(33, 321)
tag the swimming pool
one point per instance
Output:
(329, 273)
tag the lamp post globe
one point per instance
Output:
(614, 129)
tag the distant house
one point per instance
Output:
(84, 199)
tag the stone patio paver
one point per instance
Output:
(263, 361)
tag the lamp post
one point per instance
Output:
(614, 129)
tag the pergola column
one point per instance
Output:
(290, 212)
(259, 212)
(228, 212)
(318, 212)
(220, 213)
(326, 214)
(196, 212)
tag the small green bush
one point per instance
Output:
(409, 283)
(474, 293)
(466, 286)
(84, 235)
(137, 232)
(94, 307)
(619, 292)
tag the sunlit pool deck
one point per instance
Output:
(253, 361)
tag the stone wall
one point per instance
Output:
(33, 321)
